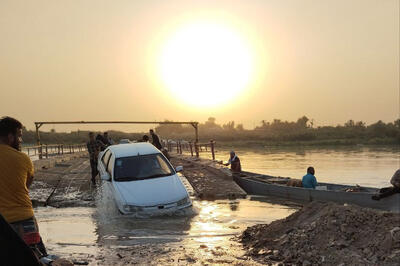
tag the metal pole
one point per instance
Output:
(212, 149)
(191, 148)
(37, 125)
(196, 131)
(196, 149)
(196, 142)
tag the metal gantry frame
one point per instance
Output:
(194, 125)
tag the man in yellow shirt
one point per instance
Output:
(16, 175)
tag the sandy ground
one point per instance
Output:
(327, 233)
(158, 255)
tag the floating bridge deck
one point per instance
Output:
(65, 181)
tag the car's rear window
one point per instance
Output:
(141, 167)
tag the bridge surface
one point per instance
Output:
(67, 183)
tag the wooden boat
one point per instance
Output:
(258, 184)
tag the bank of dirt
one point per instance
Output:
(327, 233)
(209, 180)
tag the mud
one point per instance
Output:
(327, 233)
(152, 254)
(66, 184)
(205, 234)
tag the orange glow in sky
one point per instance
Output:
(247, 61)
(205, 64)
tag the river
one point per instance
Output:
(363, 165)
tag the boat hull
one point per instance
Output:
(298, 194)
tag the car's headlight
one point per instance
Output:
(132, 208)
(183, 201)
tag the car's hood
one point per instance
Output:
(152, 192)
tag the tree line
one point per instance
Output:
(275, 131)
(351, 132)
(74, 137)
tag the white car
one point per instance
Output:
(142, 179)
(124, 141)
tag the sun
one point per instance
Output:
(205, 64)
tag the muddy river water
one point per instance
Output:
(203, 234)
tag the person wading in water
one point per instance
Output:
(93, 148)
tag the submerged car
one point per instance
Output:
(141, 179)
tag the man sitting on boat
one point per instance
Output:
(234, 161)
(309, 180)
(388, 191)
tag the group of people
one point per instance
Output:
(155, 140)
(94, 146)
(99, 143)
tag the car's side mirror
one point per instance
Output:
(179, 168)
(105, 177)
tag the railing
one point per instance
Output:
(44, 151)
(193, 148)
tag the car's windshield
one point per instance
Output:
(141, 167)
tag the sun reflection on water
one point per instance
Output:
(207, 234)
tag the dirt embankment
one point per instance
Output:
(209, 180)
(327, 233)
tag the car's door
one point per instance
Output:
(117, 195)
(103, 161)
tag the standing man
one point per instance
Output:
(16, 176)
(155, 140)
(234, 161)
(309, 180)
(93, 149)
(107, 140)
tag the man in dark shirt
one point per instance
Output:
(155, 140)
(234, 161)
(93, 149)
(107, 140)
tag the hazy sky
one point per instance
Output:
(331, 60)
